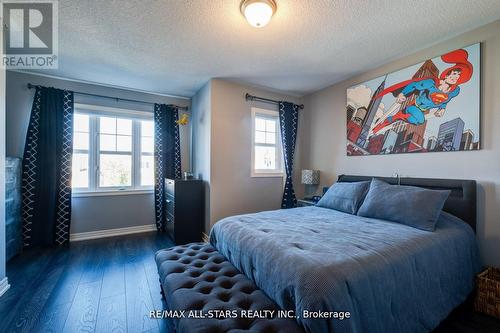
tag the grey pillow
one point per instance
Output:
(345, 197)
(413, 206)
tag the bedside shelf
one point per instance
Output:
(305, 203)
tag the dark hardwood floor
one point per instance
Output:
(465, 320)
(106, 285)
(110, 285)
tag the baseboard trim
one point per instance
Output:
(111, 232)
(4, 286)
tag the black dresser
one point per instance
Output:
(185, 207)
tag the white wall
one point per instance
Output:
(2, 171)
(232, 189)
(89, 213)
(201, 128)
(325, 135)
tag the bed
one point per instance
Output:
(388, 276)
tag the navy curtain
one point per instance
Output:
(167, 155)
(46, 178)
(289, 116)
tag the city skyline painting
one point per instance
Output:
(433, 106)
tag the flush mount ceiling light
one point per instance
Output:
(258, 12)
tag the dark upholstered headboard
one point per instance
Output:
(461, 202)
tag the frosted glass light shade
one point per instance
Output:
(258, 12)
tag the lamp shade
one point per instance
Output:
(310, 177)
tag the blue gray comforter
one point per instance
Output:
(390, 277)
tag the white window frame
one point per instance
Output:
(87, 152)
(279, 171)
(94, 189)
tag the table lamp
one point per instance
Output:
(310, 177)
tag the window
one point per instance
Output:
(112, 151)
(266, 144)
(81, 135)
(147, 150)
(115, 152)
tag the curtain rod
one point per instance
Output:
(249, 97)
(183, 108)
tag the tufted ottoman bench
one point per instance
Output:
(197, 277)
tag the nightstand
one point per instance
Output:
(306, 202)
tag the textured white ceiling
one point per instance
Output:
(175, 46)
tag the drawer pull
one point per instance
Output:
(168, 201)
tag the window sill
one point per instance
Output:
(110, 193)
(267, 175)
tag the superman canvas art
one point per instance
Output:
(433, 106)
